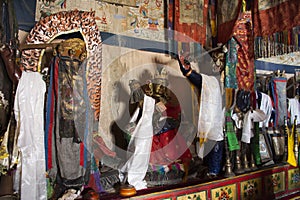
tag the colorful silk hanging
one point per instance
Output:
(231, 62)
(245, 64)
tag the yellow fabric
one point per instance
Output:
(213, 28)
(291, 155)
(244, 4)
(229, 97)
(201, 141)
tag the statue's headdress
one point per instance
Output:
(161, 76)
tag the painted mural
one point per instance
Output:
(191, 11)
(144, 20)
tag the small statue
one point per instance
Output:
(212, 137)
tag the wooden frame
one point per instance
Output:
(265, 148)
(277, 143)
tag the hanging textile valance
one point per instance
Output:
(65, 22)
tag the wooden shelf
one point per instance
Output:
(277, 182)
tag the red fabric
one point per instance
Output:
(185, 32)
(245, 66)
(51, 123)
(170, 146)
(81, 162)
(100, 149)
(278, 18)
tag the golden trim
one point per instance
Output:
(53, 38)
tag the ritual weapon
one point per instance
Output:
(245, 159)
(238, 169)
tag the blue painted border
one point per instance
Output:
(262, 65)
(134, 43)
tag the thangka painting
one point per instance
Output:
(188, 19)
(191, 11)
(144, 20)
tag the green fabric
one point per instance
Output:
(233, 143)
(50, 188)
(255, 144)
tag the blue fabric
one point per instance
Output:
(278, 88)
(196, 79)
(215, 158)
(262, 65)
(25, 14)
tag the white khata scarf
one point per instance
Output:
(211, 115)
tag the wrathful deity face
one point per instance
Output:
(159, 88)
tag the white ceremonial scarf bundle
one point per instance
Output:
(140, 143)
(211, 115)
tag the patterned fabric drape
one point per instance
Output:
(245, 65)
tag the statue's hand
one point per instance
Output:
(184, 64)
